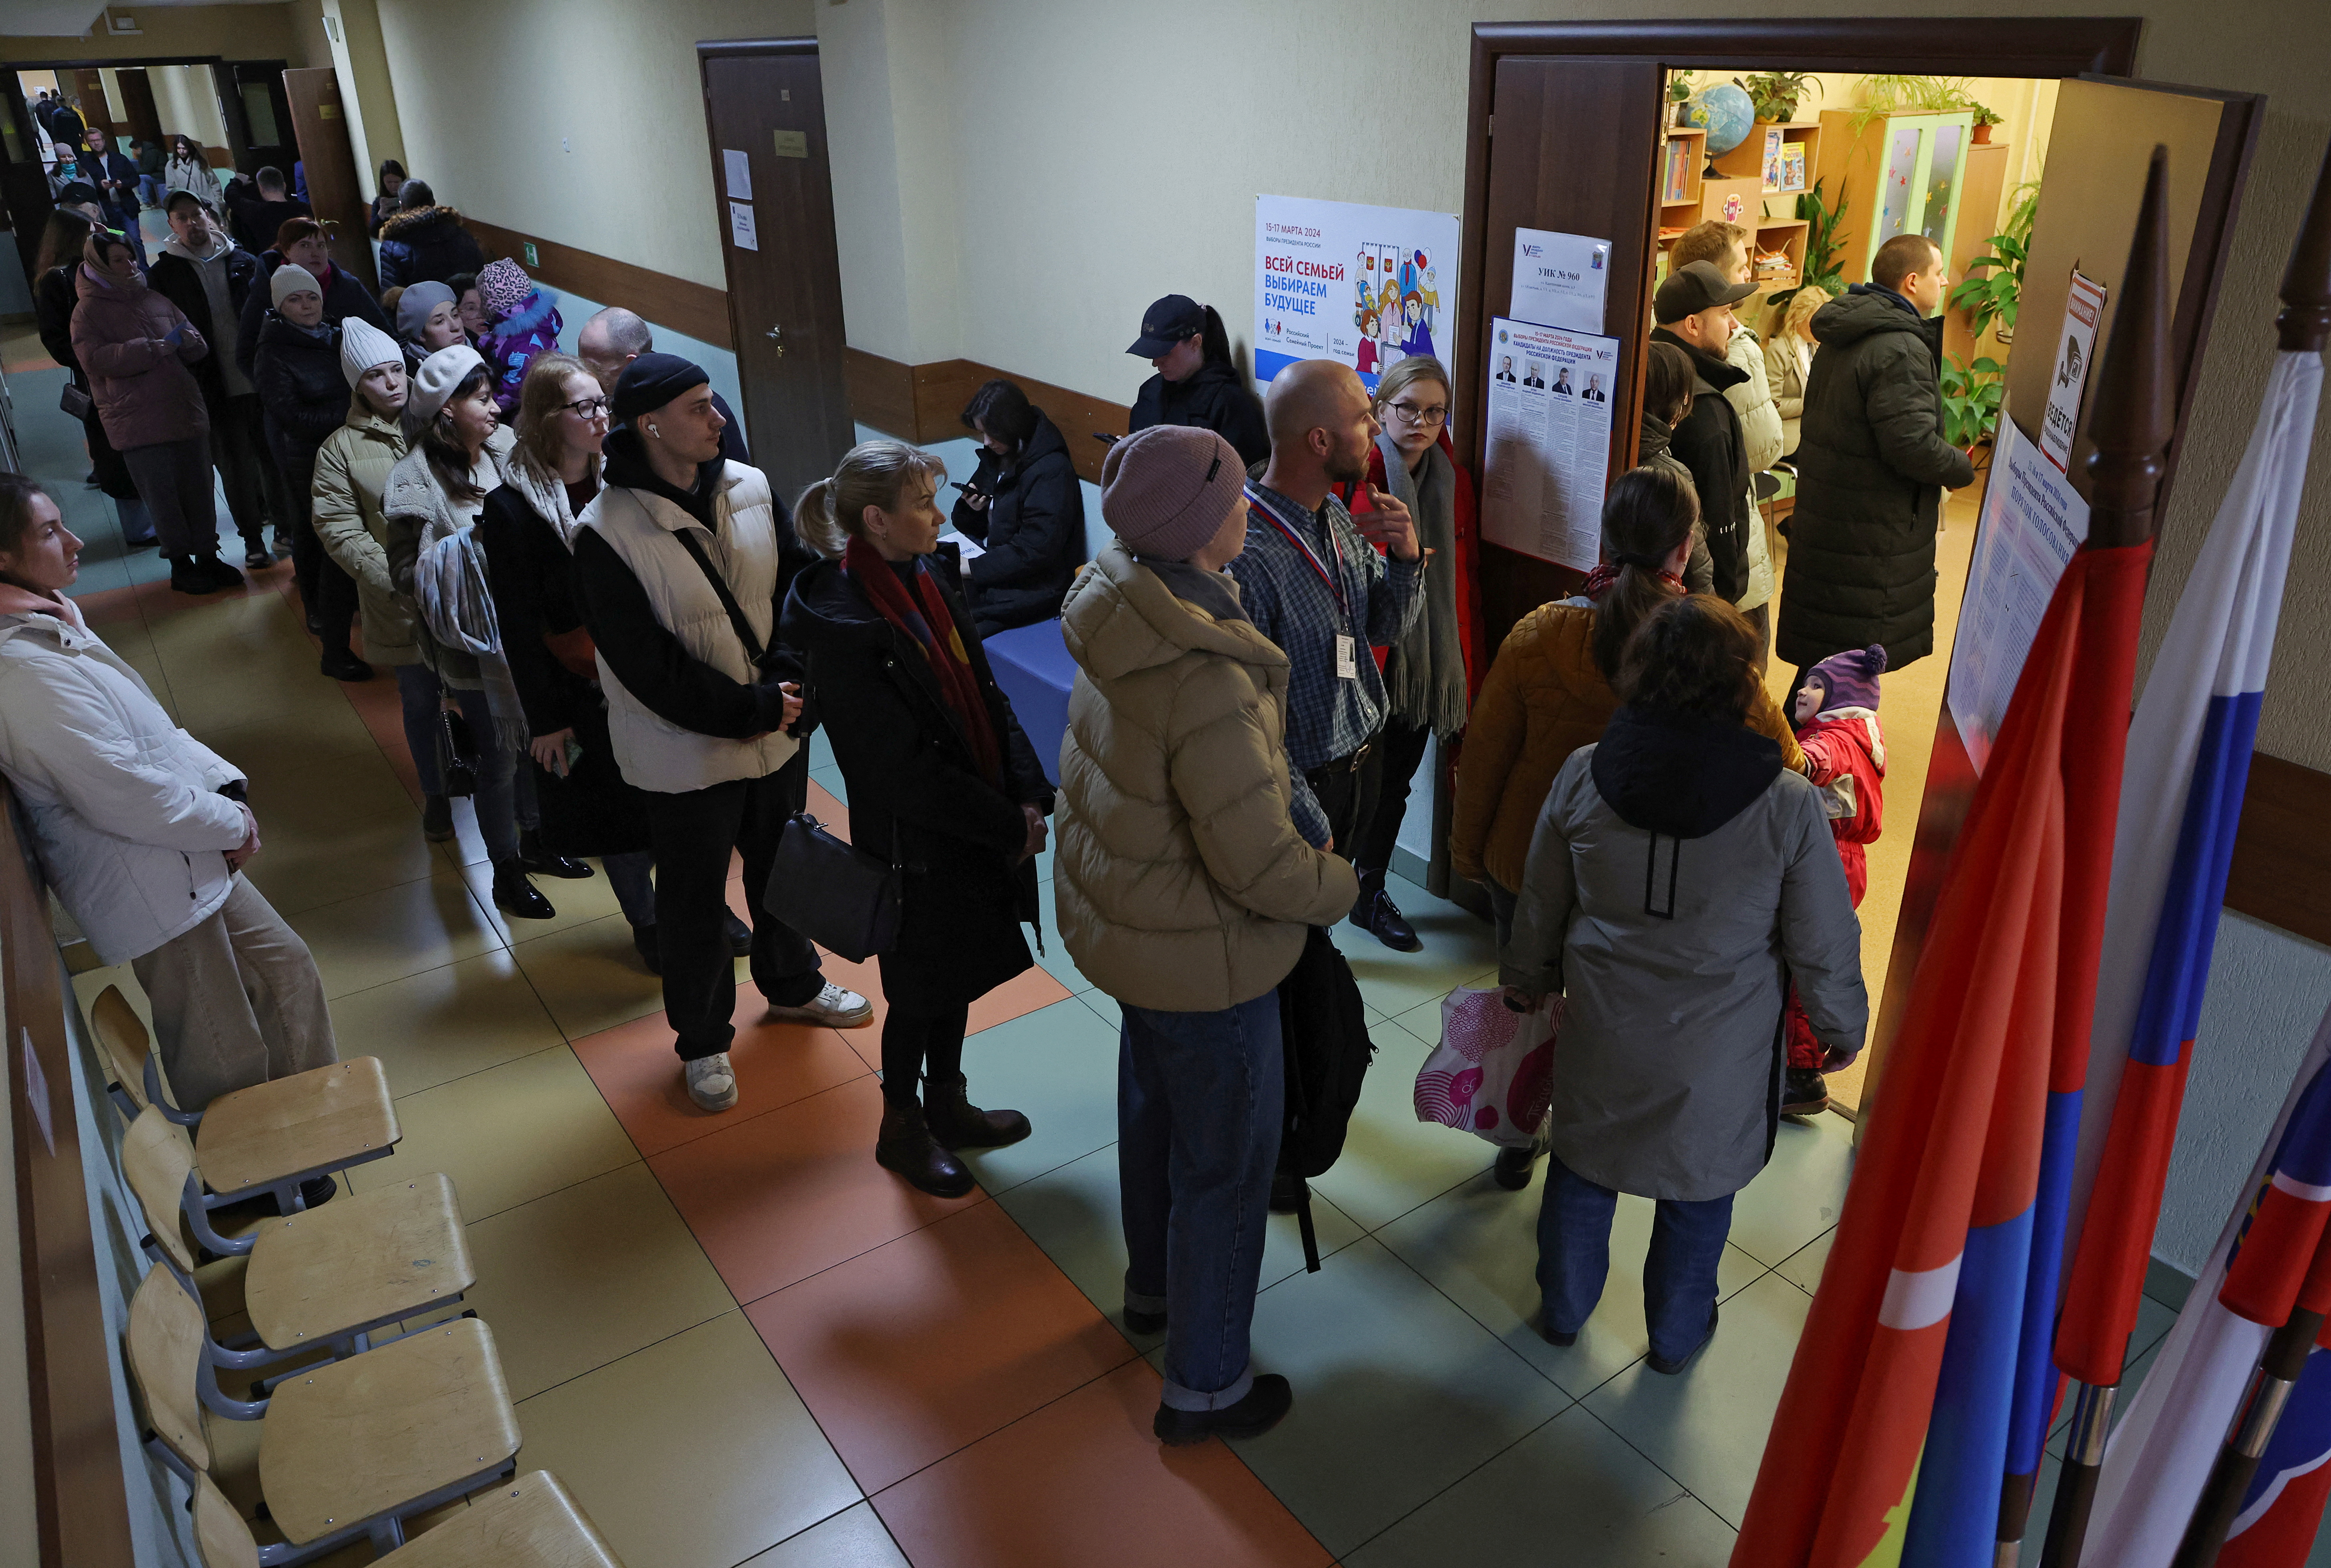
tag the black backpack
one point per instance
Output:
(1325, 1030)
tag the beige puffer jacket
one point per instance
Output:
(352, 469)
(1182, 883)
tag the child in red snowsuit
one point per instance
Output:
(1836, 714)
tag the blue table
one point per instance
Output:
(1033, 668)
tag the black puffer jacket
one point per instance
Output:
(1871, 463)
(298, 375)
(426, 245)
(343, 297)
(1710, 443)
(1214, 397)
(1034, 529)
(908, 765)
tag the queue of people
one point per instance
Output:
(607, 629)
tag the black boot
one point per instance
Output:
(905, 1146)
(740, 936)
(1803, 1093)
(958, 1124)
(1513, 1167)
(514, 895)
(1377, 915)
(436, 818)
(342, 665)
(541, 862)
(1265, 1404)
(221, 574)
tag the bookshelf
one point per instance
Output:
(1680, 163)
(1783, 156)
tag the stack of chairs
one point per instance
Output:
(367, 1422)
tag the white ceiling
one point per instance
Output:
(72, 18)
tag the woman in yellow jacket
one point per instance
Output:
(1549, 693)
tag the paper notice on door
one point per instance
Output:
(740, 173)
(1549, 449)
(2033, 522)
(2083, 306)
(740, 226)
(1559, 279)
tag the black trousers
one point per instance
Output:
(918, 1044)
(694, 832)
(327, 591)
(1346, 790)
(1400, 747)
(238, 451)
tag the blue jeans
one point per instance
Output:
(149, 190)
(505, 797)
(1199, 1100)
(1573, 1257)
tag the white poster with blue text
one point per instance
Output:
(1364, 286)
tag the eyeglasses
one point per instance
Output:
(1415, 416)
(586, 408)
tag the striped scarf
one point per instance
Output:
(950, 661)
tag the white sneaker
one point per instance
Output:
(833, 1006)
(711, 1081)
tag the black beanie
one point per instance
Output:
(651, 381)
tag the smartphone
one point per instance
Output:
(1106, 439)
(574, 753)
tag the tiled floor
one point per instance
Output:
(739, 1341)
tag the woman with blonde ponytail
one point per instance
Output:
(941, 776)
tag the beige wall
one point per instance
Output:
(487, 94)
(367, 90)
(230, 32)
(186, 98)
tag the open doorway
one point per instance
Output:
(1572, 128)
(1791, 181)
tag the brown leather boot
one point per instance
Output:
(958, 1124)
(904, 1146)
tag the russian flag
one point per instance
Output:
(1906, 1368)
(2189, 751)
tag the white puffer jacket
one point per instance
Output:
(1760, 426)
(642, 529)
(125, 810)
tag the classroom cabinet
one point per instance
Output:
(1904, 174)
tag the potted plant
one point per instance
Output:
(1984, 120)
(1992, 288)
(1822, 245)
(1971, 397)
(1775, 93)
(1680, 91)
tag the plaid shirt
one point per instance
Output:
(1327, 716)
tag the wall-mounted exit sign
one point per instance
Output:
(531, 259)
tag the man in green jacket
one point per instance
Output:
(1871, 467)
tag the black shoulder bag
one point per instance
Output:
(844, 899)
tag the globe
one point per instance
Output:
(1729, 115)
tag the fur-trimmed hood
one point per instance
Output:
(407, 227)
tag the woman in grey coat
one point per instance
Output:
(1678, 880)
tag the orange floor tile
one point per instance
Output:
(928, 1343)
(776, 1065)
(774, 1198)
(1081, 1483)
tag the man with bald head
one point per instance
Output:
(613, 338)
(1311, 580)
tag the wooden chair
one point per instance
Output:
(529, 1522)
(346, 1451)
(267, 1138)
(326, 1279)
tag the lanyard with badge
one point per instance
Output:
(1348, 647)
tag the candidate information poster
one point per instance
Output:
(1364, 286)
(2033, 522)
(1550, 448)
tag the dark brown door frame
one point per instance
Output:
(2044, 46)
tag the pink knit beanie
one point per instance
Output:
(502, 288)
(1166, 489)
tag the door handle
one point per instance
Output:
(773, 334)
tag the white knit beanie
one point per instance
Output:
(291, 279)
(439, 374)
(363, 346)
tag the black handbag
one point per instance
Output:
(75, 401)
(457, 754)
(844, 899)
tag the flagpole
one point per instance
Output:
(2129, 433)
(2254, 1423)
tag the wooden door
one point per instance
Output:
(764, 113)
(2099, 146)
(1572, 146)
(23, 182)
(319, 125)
(257, 115)
(143, 120)
(95, 109)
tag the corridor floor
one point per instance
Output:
(740, 1342)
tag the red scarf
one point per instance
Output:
(1598, 581)
(950, 662)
